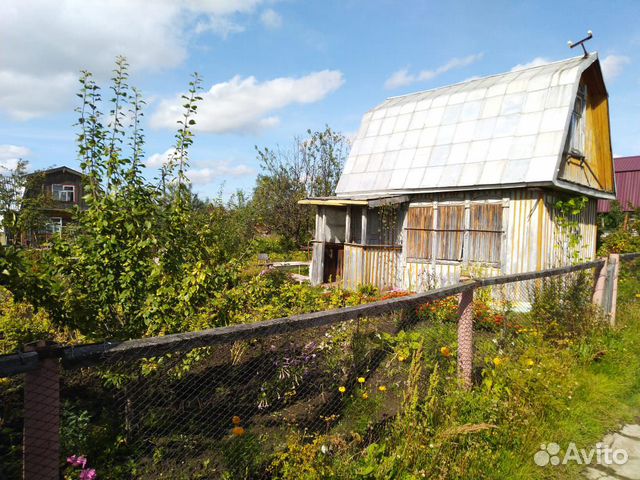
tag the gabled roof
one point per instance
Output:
(61, 169)
(496, 132)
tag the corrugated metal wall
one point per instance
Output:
(371, 265)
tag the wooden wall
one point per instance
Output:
(525, 237)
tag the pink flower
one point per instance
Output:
(77, 461)
(88, 474)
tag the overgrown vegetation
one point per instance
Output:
(150, 258)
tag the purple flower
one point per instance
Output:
(88, 474)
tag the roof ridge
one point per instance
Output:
(566, 60)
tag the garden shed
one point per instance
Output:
(466, 179)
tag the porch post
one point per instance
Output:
(347, 225)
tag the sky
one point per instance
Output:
(273, 69)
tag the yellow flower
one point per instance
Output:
(637, 295)
(235, 420)
(342, 389)
(530, 363)
(498, 361)
(365, 395)
(445, 351)
(237, 431)
(360, 379)
(401, 358)
(382, 388)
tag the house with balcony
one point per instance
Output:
(63, 189)
(466, 179)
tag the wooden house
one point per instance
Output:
(466, 178)
(63, 188)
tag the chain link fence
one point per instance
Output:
(232, 402)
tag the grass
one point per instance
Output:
(541, 389)
(606, 395)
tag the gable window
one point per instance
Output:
(63, 193)
(578, 123)
(54, 225)
(440, 233)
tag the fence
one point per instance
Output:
(225, 402)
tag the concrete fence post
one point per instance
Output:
(41, 436)
(601, 281)
(465, 338)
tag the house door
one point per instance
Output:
(333, 261)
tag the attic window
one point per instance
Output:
(578, 129)
(63, 193)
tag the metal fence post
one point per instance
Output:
(41, 437)
(465, 338)
(612, 287)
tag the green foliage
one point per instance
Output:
(624, 239)
(21, 202)
(21, 323)
(567, 216)
(310, 168)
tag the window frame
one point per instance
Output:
(464, 235)
(55, 225)
(578, 131)
(64, 191)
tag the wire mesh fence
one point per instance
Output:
(234, 402)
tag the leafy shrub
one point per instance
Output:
(21, 323)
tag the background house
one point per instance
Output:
(627, 174)
(466, 178)
(62, 186)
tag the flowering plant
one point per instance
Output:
(80, 461)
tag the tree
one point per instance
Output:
(310, 168)
(21, 214)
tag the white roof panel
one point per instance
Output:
(493, 132)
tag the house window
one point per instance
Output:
(419, 228)
(485, 233)
(64, 193)
(449, 232)
(54, 225)
(578, 129)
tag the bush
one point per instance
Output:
(21, 323)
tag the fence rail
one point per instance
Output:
(231, 395)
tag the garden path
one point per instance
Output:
(628, 439)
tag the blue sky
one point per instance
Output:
(273, 69)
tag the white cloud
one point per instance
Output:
(245, 104)
(206, 172)
(403, 77)
(536, 62)
(201, 176)
(271, 19)
(10, 154)
(52, 41)
(222, 26)
(612, 66)
(157, 160)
